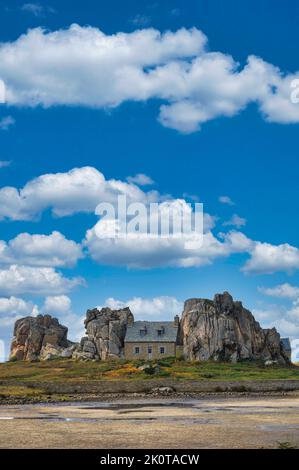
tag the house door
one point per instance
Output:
(150, 352)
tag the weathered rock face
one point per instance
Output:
(106, 330)
(33, 334)
(224, 330)
(49, 352)
(218, 329)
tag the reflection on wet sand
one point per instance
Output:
(153, 423)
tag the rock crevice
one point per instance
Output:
(33, 334)
(105, 332)
(220, 329)
(223, 329)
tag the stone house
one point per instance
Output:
(152, 340)
(220, 329)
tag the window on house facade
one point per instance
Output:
(150, 350)
(137, 350)
(161, 331)
(162, 350)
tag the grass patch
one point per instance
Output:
(14, 376)
(20, 391)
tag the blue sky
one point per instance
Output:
(229, 133)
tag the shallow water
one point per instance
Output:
(133, 405)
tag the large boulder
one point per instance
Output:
(33, 334)
(222, 329)
(49, 352)
(105, 330)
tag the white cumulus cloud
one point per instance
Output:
(141, 251)
(235, 221)
(13, 308)
(156, 308)
(140, 179)
(16, 280)
(267, 259)
(285, 290)
(78, 190)
(57, 304)
(87, 67)
(40, 250)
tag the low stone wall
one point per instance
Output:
(145, 386)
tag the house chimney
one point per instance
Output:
(177, 320)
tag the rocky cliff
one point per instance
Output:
(45, 338)
(34, 335)
(224, 330)
(218, 329)
(105, 330)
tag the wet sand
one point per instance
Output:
(153, 423)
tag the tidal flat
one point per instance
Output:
(218, 422)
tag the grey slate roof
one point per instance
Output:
(170, 332)
(286, 344)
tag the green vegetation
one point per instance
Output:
(67, 370)
(29, 379)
